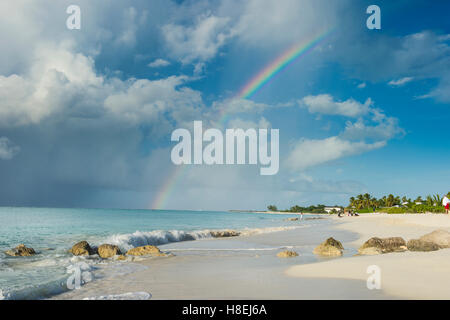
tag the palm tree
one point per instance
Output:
(384, 200)
(352, 202)
(390, 200)
(359, 203)
(437, 199)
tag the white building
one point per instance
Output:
(329, 209)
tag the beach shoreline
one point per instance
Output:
(209, 269)
(279, 212)
(404, 275)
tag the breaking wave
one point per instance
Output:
(159, 237)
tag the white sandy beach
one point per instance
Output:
(209, 269)
(410, 275)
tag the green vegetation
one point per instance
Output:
(320, 208)
(414, 209)
(365, 203)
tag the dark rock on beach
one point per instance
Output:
(378, 245)
(420, 245)
(331, 247)
(82, 248)
(21, 251)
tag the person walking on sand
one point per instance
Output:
(446, 203)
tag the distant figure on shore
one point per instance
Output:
(446, 203)
(301, 215)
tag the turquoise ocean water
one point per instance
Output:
(52, 232)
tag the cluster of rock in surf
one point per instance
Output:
(106, 250)
(438, 239)
(83, 248)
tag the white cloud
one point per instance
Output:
(199, 68)
(198, 42)
(65, 83)
(398, 60)
(268, 23)
(370, 131)
(127, 36)
(7, 149)
(159, 63)
(248, 124)
(382, 128)
(400, 82)
(362, 85)
(442, 92)
(236, 106)
(145, 101)
(325, 104)
(48, 87)
(309, 152)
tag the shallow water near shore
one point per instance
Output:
(51, 232)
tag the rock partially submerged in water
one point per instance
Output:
(108, 251)
(144, 251)
(291, 219)
(287, 254)
(21, 251)
(224, 234)
(420, 245)
(438, 237)
(331, 247)
(82, 248)
(383, 245)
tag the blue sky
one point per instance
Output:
(86, 115)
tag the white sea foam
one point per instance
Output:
(123, 296)
(158, 237)
(3, 296)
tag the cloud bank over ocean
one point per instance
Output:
(86, 115)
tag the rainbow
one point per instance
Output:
(279, 64)
(163, 194)
(247, 91)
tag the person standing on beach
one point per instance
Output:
(446, 203)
